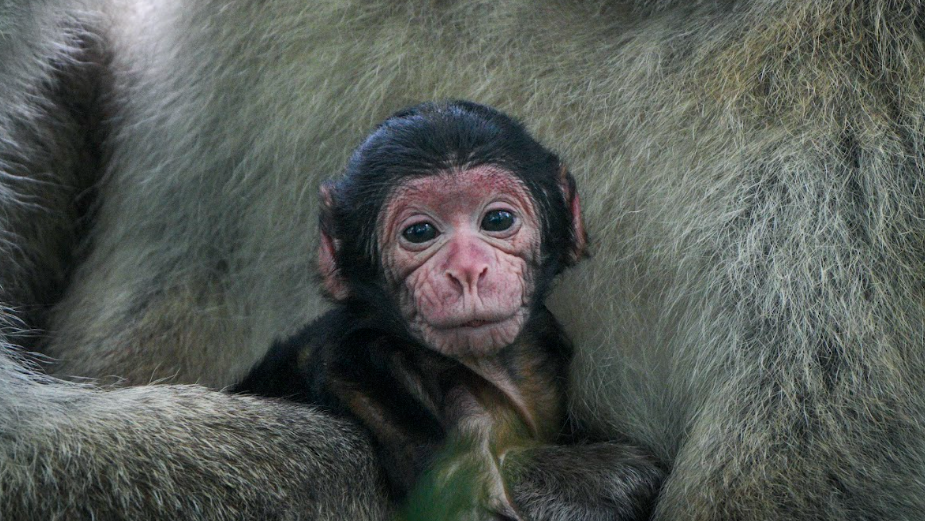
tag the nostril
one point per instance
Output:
(456, 279)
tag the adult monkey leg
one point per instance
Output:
(785, 224)
(52, 80)
(758, 291)
(809, 278)
(158, 452)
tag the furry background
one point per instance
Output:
(751, 173)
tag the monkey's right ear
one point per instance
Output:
(331, 278)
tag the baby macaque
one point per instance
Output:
(439, 245)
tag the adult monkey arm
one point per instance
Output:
(156, 452)
(173, 452)
(757, 295)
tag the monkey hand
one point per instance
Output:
(462, 485)
(591, 482)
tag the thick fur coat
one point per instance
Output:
(752, 179)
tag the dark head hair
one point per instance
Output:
(440, 137)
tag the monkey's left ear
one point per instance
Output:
(331, 278)
(579, 246)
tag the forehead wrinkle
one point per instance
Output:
(405, 188)
(410, 187)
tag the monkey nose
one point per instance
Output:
(467, 278)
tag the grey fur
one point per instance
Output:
(174, 452)
(751, 175)
(48, 155)
(155, 452)
(578, 482)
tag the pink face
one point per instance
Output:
(460, 246)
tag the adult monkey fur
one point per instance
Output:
(752, 172)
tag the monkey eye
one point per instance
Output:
(419, 232)
(497, 221)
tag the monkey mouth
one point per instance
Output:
(474, 323)
(473, 336)
(478, 323)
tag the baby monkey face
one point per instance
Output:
(461, 249)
